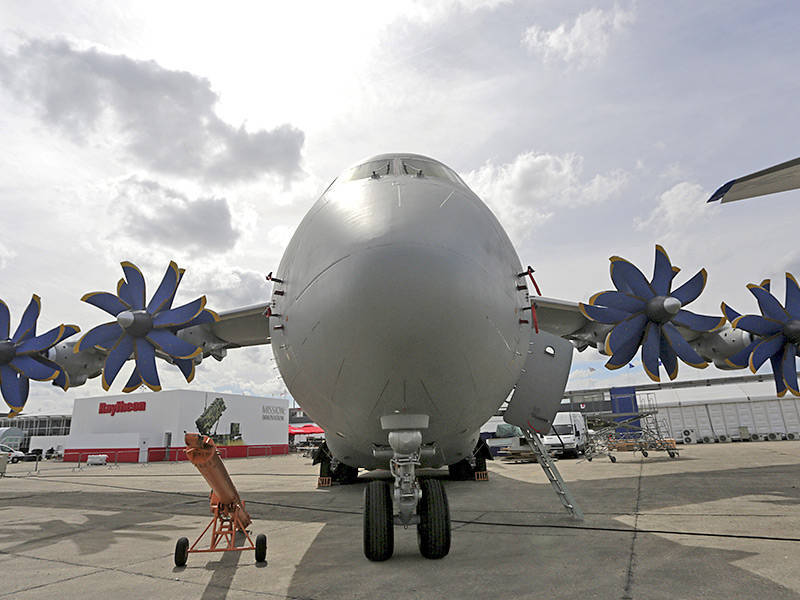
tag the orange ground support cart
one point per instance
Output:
(230, 517)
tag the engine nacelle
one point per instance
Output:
(718, 345)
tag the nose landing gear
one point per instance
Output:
(417, 502)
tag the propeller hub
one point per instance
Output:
(7, 352)
(662, 308)
(792, 331)
(137, 323)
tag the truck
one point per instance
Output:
(567, 436)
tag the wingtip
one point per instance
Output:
(720, 193)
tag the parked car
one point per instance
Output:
(14, 456)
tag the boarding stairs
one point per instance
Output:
(549, 468)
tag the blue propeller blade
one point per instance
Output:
(792, 296)
(171, 344)
(134, 382)
(757, 324)
(662, 273)
(651, 346)
(14, 388)
(42, 342)
(107, 302)
(62, 379)
(5, 321)
(690, 290)
(695, 322)
(166, 290)
(769, 305)
(623, 355)
(627, 277)
(136, 286)
(609, 316)
(764, 349)
(776, 361)
(789, 368)
(186, 365)
(33, 369)
(729, 313)
(206, 316)
(668, 358)
(27, 324)
(682, 348)
(628, 331)
(103, 335)
(741, 359)
(146, 364)
(176, 317)
(121, 352)
(618, 300)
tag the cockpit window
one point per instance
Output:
(374, 169)
(425, 168)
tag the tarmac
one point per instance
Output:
(721, 521)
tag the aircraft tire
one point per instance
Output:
(378, 521)
(261, 548)
(181, 552)
(433, 529)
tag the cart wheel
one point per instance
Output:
(181, 552)
(613, 458)
(261, 548)
(644, 453)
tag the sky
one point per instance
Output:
(194, 132)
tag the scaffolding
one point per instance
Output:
(639, 431)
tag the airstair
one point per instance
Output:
(549, 468)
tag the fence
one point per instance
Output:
(176, 454)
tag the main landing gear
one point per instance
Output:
(473, 467)
(418, 502)
(332, 470)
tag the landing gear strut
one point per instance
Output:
(332, 470)
(410, 501)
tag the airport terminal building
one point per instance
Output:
(148, 427)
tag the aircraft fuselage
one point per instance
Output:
(399, 295)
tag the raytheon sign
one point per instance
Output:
(121, 406)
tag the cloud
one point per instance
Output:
(585, 42)
(154, 214)
(227, 288)
(527, 192)
(165, 120)
(677, 209)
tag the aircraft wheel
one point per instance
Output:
(644, 453)
(261, 548)
(181, 552)
(613, 458)
(378, 521)
(433, 529)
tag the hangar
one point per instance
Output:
(149, 426)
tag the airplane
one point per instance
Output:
(401, 319)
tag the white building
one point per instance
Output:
(150, 426)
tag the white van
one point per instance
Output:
(567, 436)
(13, 455)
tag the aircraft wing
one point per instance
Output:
(780, 178)
(247, 326)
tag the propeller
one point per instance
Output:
(646, 314)
(776, 331)
(142, 329)
(23, 356)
